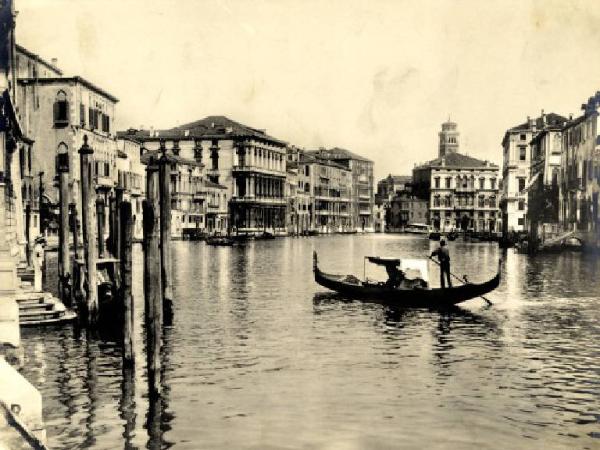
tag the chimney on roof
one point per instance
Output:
(151, 131)
(530, 123)
(544, 121)
(54, 61)
(570, 117)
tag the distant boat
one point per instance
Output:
(573, 244)
(417, 228)
(223, 241)
(266, 235)
(401, 297)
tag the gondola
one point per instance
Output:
(400, 297)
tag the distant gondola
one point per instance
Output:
(402, 297)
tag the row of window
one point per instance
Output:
(482, 202)
(96, 119)
(464, 182)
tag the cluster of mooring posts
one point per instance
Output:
(99, 282)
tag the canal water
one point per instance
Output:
(260, 357)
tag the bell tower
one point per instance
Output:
(448, 138)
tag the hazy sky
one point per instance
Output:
(376, 77)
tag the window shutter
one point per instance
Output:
(56, 112)
(64, 113)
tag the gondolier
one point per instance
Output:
(443, 256)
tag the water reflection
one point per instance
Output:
(258, 356)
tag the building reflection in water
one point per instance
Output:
(256, 358)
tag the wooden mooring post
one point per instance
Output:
(116, 239)
(100, 217)
(152, 277)
(165, 233)
(74, 227)
(28, 231)
(64, 257)
(88, 208)
(126, 232)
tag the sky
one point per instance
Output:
(377, 77)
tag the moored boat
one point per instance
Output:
(417, 228)
(417, 296)
(223, 241)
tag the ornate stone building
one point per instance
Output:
(249, 163)
(462, 191)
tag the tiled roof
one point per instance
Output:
(337, 153)
(457, 160)
(312, 156)
(551, 119)
(210, 126)
(400, 179)
(129, 135)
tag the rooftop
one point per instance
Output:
(37, 58)
(209, 127)
(75, 79)
(312, 157)
(337, 153)
(551, 119)
(457, 160)
(399, 179)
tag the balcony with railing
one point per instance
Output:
(261, 199)
(331, 194)
(247, 168)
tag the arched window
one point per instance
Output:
(61, 110)
(62, 148)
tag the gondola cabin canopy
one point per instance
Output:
(383, 261)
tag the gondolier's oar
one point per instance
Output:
(461, 280)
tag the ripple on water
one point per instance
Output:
(261, 357)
